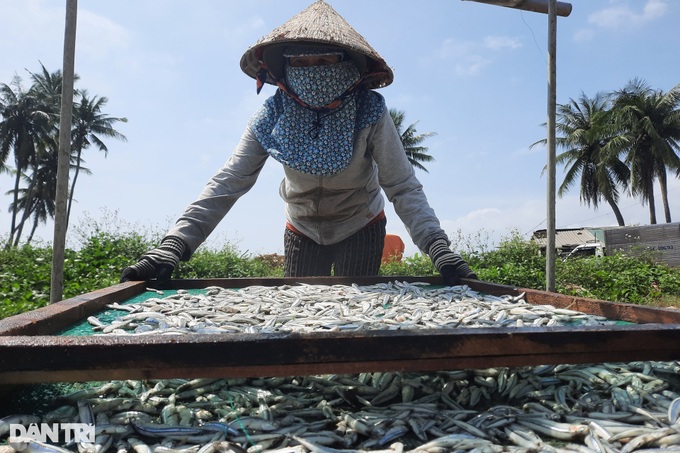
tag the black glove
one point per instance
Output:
(157, 263)
(449, 264)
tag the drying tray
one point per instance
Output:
(33, 351)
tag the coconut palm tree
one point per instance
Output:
(25, 121)
(650, 120)
(46, 86)
(46, 90)
(36, 198)
(411, 140)
(90, 125)
(590, 139)
(30, 130)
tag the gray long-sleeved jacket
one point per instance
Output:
(326, 209)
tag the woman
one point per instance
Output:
(339, 149)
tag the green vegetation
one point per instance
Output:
(97, 261)
(412, 140)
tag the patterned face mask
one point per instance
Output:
(284, 129)
(318, 139)
(319, 86)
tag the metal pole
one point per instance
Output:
(65, 115)
(552, 71)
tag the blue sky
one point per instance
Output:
(474, 74)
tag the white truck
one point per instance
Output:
(588, 249)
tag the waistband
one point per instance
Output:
(381, 215)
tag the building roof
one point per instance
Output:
(565, 238)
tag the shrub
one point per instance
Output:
(416, 265)
(617, 278)
(100, 261)
(516, 262)
(223, 263)
(105, 249)
(24, 279)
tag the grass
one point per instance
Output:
(103, 250)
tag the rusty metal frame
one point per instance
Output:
(31, 353)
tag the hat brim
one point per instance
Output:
(317, 25)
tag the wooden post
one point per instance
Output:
(65, 116)
(552, 76)
(538, 6)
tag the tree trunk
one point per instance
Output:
(652, 208)
(617, 211)
(73, 187)
(663, 184)
(18, 230)
(35, 227)
(15, 210)
(26, 214)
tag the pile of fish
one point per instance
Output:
(306, 308)
(613, 407)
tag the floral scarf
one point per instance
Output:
(315, 139)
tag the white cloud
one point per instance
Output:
(493, 224)
(468, 61)
(97, 36)
(472, 57)
(502, 42)
(471, 66)
(453, 48)
(583, 35)
(29, 21)
(528, 151)
(621, 15)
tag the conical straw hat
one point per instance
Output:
(318, 24)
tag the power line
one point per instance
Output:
(540, 51)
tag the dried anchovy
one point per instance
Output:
(616, 407)
(307, 308)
